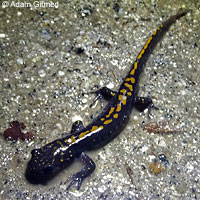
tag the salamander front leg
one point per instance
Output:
(77, 126)
(83, 173)
(141, 103)
(104, 92)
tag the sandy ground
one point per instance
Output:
(51, 58)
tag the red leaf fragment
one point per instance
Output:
(160, 127)
(15, 132)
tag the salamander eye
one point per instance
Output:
(48, 169)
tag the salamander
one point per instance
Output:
(49, 160)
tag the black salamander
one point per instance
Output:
(47, 161)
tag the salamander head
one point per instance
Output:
(46, 163)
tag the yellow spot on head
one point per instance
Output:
(61, 160)
(108, 121)
(110, 112)
(101, 127)
(115, 115)
(70, 155)
(102, 119)
(118, 107)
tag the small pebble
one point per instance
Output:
(41, 73)
(61, 73)
(20, 61)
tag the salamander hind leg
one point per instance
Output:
(104, 92)
(84, 172)
(141, 103)
(77, 126)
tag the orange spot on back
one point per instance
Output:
(94, 128)
(141, 53)
(155, 32)
(115, 115)
(124, 101)
(83, 134)
(70, 140)
(130, 79)
(123, 91)
(133, 70)
(147, 43)
(108, 121)
(118, 107)
(110, 112)
(129, 86)
(120, 97)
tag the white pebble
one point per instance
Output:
(110, 85)
(20, 61)
(2, 35)
(76, 118)
(84, 100)
(144, 149)
(183, 92)
(41, 73)
(19, 13)
(61, 73)
(59, 126)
